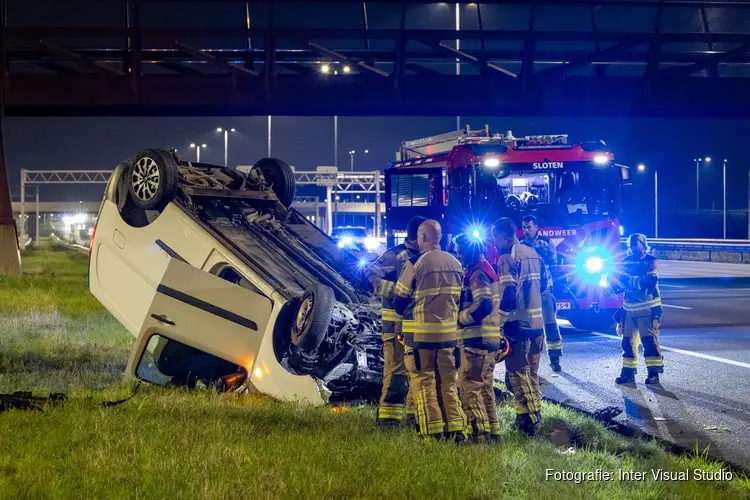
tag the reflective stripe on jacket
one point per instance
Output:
(432, 286)
(479, 319)
(639, 279)
(383, 275)
(546, 250)
(528, 275)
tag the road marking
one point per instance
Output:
(687, 353)
(671, 286)
(677, 307)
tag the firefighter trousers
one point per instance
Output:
(476, 390)
(522, 369)
(643, 330)
(438, 406)
(395, 382)
(551, 330)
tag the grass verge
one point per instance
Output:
(180, 444)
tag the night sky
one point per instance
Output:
(305, 142)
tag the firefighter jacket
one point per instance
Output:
(428, 293)
(528, 271)
(506, 285)
(479, 318)
(546, 250)
(383, 275)
(639, 279)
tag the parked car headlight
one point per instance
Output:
(371, 243)
(346, 241)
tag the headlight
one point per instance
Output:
(492, 162)
(601, 159)
(371, 243)
(594, 264)
(346, 241)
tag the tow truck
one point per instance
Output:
(467, 179)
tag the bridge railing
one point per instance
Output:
(711, 250)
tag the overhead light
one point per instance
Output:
(192, 145)
(367, 151)
(601, 159)
(325, 69)
(641, 167)
(220, 129)
(708, 159)
(492, 162)
(232, 130)
(203, 145)
(347, 69)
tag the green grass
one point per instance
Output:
(179, 444)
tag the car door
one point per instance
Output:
(206, 313)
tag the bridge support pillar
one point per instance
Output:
(10, 253)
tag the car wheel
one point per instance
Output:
(590, 321)
(313, 317)
(153, 179)
(279, 174)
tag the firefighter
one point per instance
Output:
(427, 294)
(524, 329)
(546, 250)
(382, 275)
(641, 312)
(478, 339)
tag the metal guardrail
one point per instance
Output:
(710, 246)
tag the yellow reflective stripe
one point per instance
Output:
(391, 315)
(554, 345)
(411, 326)
(402, 290)
(435, 427)
(465, 317)
(386, 287)
(530, 276)
(431, 292)
(654, 362)
(629, 363)
(484, 292)
(505, 279)
(641, 306)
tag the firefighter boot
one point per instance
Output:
(494, 439)
(525, 425)
(457, 437)
(627, 376)
(652, 379)
(554, 362)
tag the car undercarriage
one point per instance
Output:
(245, 213)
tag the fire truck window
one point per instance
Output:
(410, 190)
(528, 190)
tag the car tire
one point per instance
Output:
(590, 321)
(279, 174)
(153, 180)
(313, 317)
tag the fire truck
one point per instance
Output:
(469, 178)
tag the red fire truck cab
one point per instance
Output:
(469, 178)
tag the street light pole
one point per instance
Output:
(226, 143)
(725, 199)
(697, 183)
(351, 158)
(198, 151)
(656, 203)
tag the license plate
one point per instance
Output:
(563, 305)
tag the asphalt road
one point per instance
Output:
(704, 396)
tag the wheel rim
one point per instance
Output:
(145, 179)
(304, 314)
